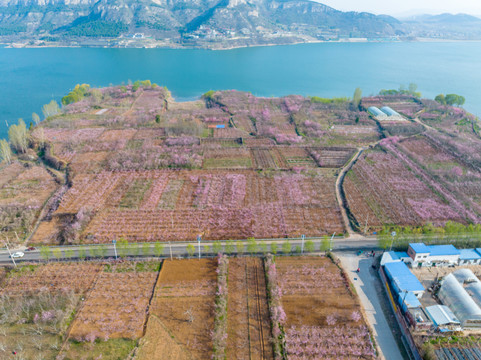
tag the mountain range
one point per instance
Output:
(204, 23)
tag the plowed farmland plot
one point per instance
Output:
(263, 159)
(232, 158)
(392, 188)
(52, 277)
(37, 304)
(296, 156)
(323, 317)
(331, 157)
(23, 192)
(174, 205)
(116, 307)
(457, 176)
(248, 333)
(183, 307)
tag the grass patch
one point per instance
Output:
(169, 197)
(143, 266)
(243, 162)
(134, 195)
(113, 349)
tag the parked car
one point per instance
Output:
(17, 254)
(31, 248)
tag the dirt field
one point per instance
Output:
(183, 307)
(151, 348)
(318, 304)
(54, 277)
(116, 307)
(248, 318)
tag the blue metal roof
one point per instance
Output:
(403, 277)
(478, 250)
(401, 254)
(394, 256)
(409, 299)
(443, 250)
(469, 254)
(420, 248)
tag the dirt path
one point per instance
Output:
(339, 194)
(248, 317)
(368, 289)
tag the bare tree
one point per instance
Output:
(5, 151)
(54, 345)
(40, 135)
(19, 346)
(18, 136)
(36, 118)
(189, 313)
(356, 99)
(37, 343)
(50, 109)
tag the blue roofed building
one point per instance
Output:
(469, 257)
(433, 255)
(402, 279)
(408, 300)
(393, 256)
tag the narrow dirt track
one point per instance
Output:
(248, 318)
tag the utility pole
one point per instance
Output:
(10, 253)
(115, 248)
(330, 242)
(199, 238)
(365, 226)
(393, 234)
(303, 237)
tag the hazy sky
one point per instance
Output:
(393, 7)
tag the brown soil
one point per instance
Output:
(46, 232)
(184, 304)
(77, 277)
(307, 300)
(116, 306)
(248, 316)
(159, 344)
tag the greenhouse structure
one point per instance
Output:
(453, 295)
(471, 284)
(389, 112)
(378, 114)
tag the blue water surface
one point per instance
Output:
(30, 78)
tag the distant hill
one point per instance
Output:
(191, 21)
(210, 23)
(444, 26)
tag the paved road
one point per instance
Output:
(365, 284)
(180, 249)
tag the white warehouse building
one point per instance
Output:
(433, 255)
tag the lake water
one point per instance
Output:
(30, 78)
